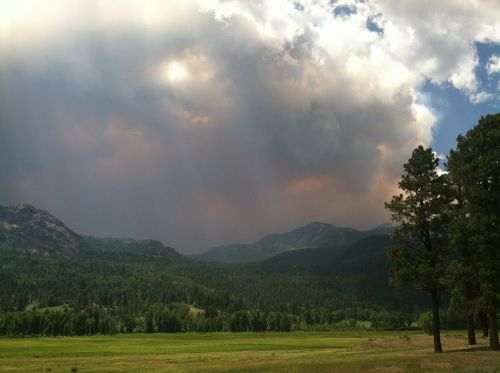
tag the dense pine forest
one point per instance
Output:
(109, 292)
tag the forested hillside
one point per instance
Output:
(110, 285)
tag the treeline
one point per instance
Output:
(174, 318)
(448, 229)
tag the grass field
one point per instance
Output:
(254, 352)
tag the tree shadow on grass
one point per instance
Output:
(477, 348)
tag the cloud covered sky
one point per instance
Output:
(209, 122)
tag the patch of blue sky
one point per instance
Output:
(373, 26)
(456, 113)
(344, 10)
(298, 6)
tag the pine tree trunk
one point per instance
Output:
(484, 324)
(471, 332)
(493, 327)
(436, 332)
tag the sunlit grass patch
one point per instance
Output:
(246, 352)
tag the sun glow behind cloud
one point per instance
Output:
(175, 72)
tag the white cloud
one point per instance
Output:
(437, 39)
(493, 66)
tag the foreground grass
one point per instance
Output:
(254, 352)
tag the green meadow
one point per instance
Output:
(248, 352)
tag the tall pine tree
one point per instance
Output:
(476, 164)
(465, 294)
(421, 215)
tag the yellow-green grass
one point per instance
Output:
(256, 352)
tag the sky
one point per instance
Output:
(209, 122)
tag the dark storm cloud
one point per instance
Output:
(205, 127)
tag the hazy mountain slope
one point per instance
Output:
(128, 245)
(28, 229)
(313, 235)
(242, 253)
(25, 228)
(382, 229)
(361, 269)
(356, 257)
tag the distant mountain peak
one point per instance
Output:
(384, 225)
(313, 235)
(26, 228)
(384, 228)
(317, 223)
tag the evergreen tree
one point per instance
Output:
(477, 167)
(464, 299)
(421, 215)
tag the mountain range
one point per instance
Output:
(311, 236)
(44, 262)
(24, 228)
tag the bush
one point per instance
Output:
(424, 322)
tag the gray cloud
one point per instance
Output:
(213, 126)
